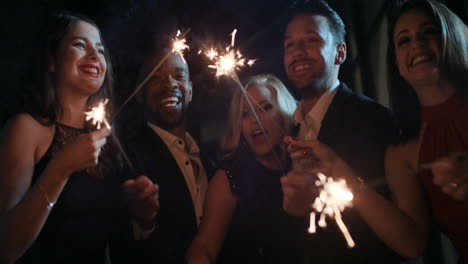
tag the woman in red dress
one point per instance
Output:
(428, 68)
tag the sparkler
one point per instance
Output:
(97, 115)
(226, 63)
(332, 200)
(179, 45)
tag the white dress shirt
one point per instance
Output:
(187, 154)
(310, 124)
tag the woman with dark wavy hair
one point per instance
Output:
(428, 65)
(58, 184)
(428, 68)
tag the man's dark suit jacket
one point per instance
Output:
(359, 131)
(175, 224)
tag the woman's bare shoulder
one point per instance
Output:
(23, 130)
(24, 120)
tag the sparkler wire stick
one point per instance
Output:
(244, 92)
(138, 88)
(122, 151)
(263, 110)
(226, 64)
(342, 226)
(97, 116)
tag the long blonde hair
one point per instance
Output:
(282, 99)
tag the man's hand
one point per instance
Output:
(321, 159)
(298, 193)
(451, 174)
(142, 197)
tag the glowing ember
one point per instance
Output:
(98, 115)
(227, 62)
(333, 199)
(179, 45)
(233, 37)
(211, 54)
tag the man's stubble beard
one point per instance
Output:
(156, 118)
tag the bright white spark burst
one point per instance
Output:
(226, 63)
(179, 45)
(333, 199)
(98, 115)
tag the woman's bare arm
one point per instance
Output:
(219, 208)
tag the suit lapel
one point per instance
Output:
(156, 151)
(331, 120)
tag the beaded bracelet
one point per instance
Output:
(50, 204)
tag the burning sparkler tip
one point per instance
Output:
(229, 61)
(179, 45)
(333, 198)
(97, 115)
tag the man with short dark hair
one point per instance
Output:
(168, 156)
(354, 126)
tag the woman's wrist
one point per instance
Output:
(56, 167)
(50, 204)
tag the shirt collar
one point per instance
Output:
(320, 108)
(172, 140)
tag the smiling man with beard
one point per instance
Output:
(354, 126)
(175, 177)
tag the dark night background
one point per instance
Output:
(129, 28)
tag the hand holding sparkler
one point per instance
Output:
(141, 196)
(299, 192)
(334, 196)
(81, 153)
(451, 174)
(97, 115)
(319, 158)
